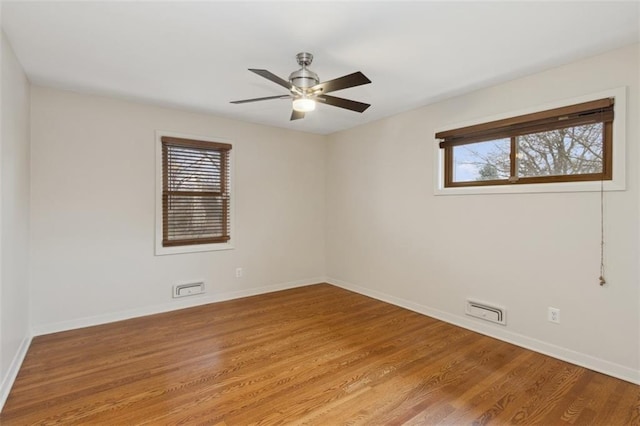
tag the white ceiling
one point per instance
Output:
(195, 55)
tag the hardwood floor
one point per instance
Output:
(312, 355)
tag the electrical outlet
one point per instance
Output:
(239, 272)
(553, 315)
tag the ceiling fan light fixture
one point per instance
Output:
(304, 104)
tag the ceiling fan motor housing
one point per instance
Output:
(304, 78)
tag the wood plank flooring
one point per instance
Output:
(316, 355)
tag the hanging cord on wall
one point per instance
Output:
(602, 280)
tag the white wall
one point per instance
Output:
(14, 218)
(93, 192)
(389, 236)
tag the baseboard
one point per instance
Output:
(12, 373)
(564, 354)
(38, 330)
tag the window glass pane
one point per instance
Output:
(571, 151)
(194, 170)
(195, 217)
(481, 161)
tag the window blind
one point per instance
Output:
(599, 111)
(195, 192)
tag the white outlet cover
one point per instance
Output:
(553, 315)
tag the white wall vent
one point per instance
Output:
(188, 289)
(486, 311)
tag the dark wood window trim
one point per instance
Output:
(189, 184)
(599, 111)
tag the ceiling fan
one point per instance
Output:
(305, 88)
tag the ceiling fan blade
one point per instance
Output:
(270, 76)
(244, 101)
(343, 103)
(296, 115)
(344, 82)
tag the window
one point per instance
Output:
(195, 186)
(566, 144)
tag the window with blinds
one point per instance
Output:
(195, 192)
(568, 144)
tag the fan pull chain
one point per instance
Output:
(601, 278)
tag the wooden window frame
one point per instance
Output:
(598, 111)
(224, 194)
